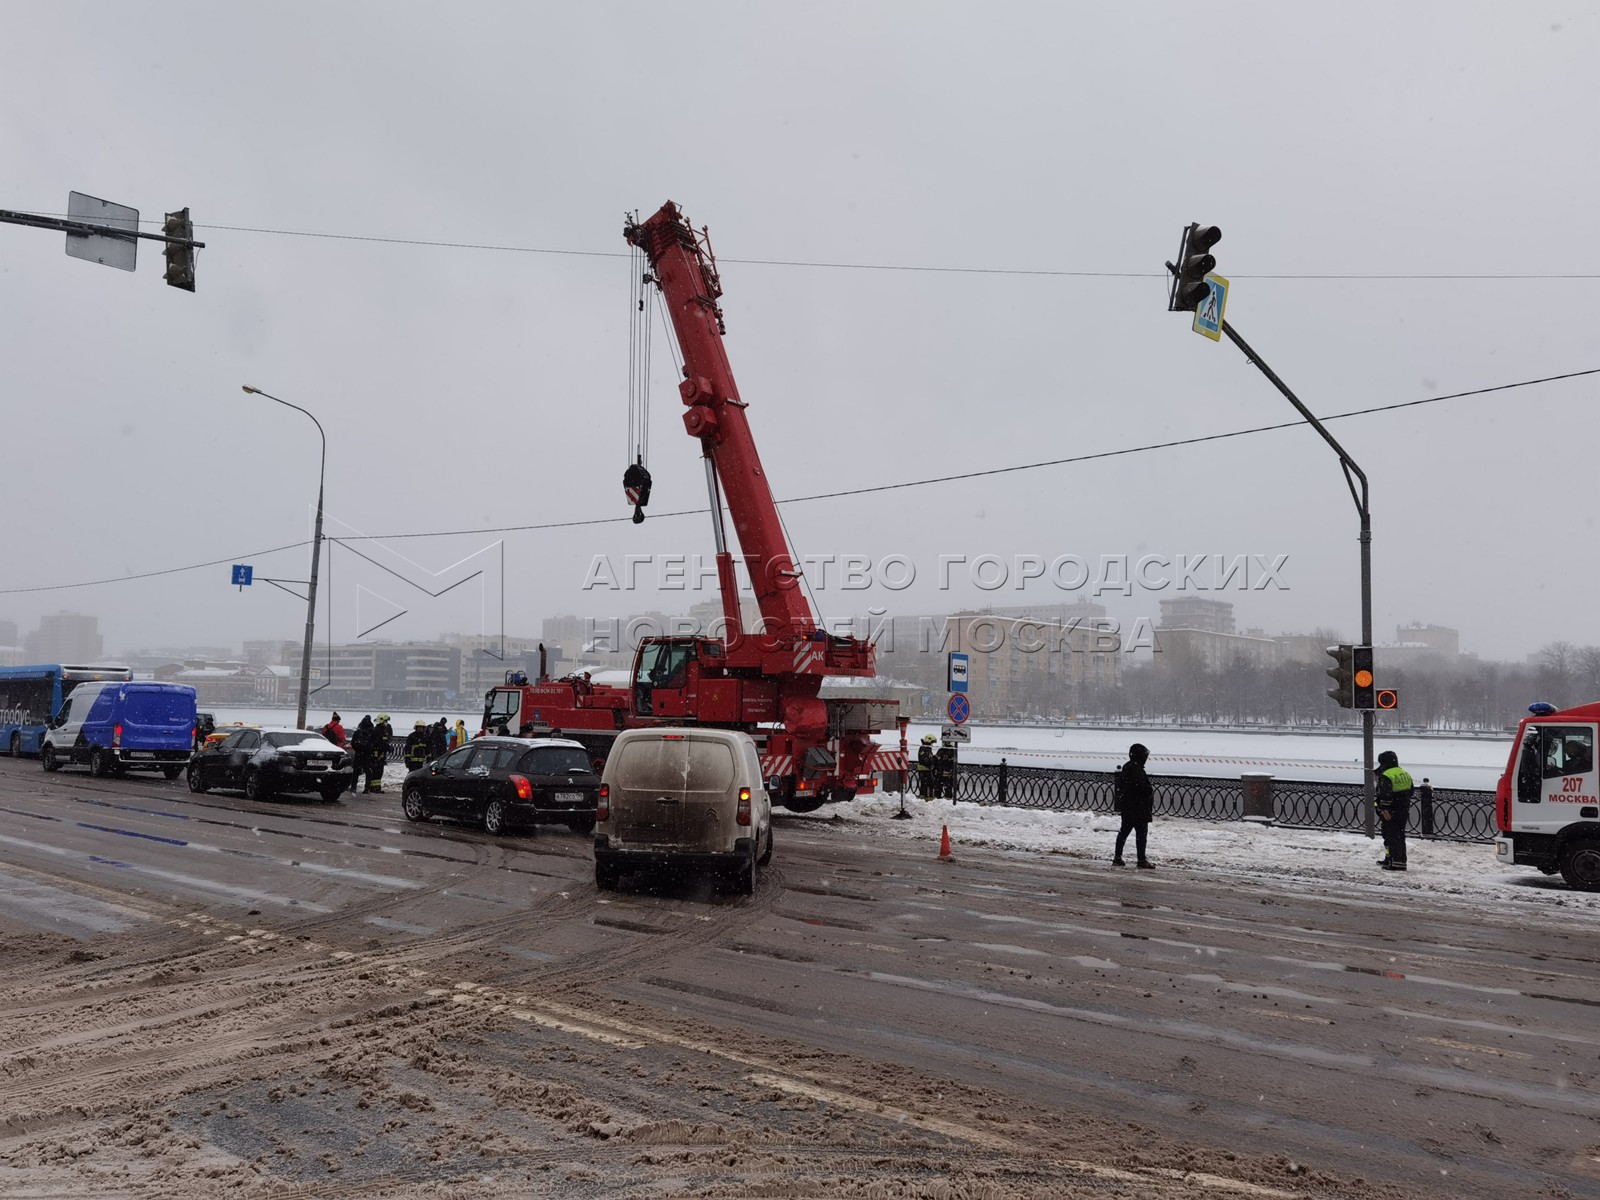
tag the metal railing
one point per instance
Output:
(1455, 814)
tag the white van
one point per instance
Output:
(686, 799)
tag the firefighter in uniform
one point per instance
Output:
(1394, 805)
(925, 767)
(382, 732)
(416, 747)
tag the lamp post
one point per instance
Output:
(316, 554)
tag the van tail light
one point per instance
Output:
(116, 736)
(602, 807)
(524, 788)
(744, 806)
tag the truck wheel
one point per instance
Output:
(16, 745)
(1580, 864)
(172, 772)
(332, 793)
(100, 764)
(47, 758)
(494, 818)
(766, 855)
(581, 824)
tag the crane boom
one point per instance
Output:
(685, 271)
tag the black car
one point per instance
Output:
(264, 762)
(506, 781)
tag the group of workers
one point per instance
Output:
(369, 744)
(936, 770)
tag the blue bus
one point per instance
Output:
(30, 696)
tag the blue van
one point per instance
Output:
(118, 726)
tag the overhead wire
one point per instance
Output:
(1148, 447)
(820, 264)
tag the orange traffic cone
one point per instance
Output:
(944, 841)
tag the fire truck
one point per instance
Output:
(1547, 806)
(765, 680)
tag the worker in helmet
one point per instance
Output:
(1394, 806)
(416, 750)
(925, 767)
(382, 732)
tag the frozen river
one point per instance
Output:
(1448, 762)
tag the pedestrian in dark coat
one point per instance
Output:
(1136, 801)
(361, 750)
(944, 771)
(438, 739)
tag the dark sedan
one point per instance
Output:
(264, 762)
(507, 781)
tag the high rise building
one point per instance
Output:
(65, 638)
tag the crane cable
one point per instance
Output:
(636, 477)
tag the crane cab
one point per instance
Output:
(688, 678)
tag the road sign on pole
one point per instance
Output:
(951, 734)
(958, 672)
(243, 575)
(1209, 313)
(110, 251)
(959, 709)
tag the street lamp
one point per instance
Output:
(316, 554)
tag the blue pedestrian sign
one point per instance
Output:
(1209, 313)
(959, 709)
(958, 672)
(243, 575)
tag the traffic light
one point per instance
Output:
(1195, 262)
(1343, 674)
(180, 256)
(1388, 698)
(1363, 691)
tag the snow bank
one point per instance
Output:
(1458, 872)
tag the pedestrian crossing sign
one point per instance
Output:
(1208, 314)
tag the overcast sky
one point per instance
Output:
(474, 388)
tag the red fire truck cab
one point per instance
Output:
(1547, 806)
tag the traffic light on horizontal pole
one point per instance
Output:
(180, 254)
(1363, 692)
(1343, 675)
(1195, 262)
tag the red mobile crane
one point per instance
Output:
(768, 680)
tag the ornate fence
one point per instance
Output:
(1455, 814)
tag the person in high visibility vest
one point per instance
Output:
(1394, 806)
(925, 767)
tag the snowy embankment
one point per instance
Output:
(1452, 872)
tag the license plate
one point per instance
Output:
(569, 797)
(313, 766)
(139, 754)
